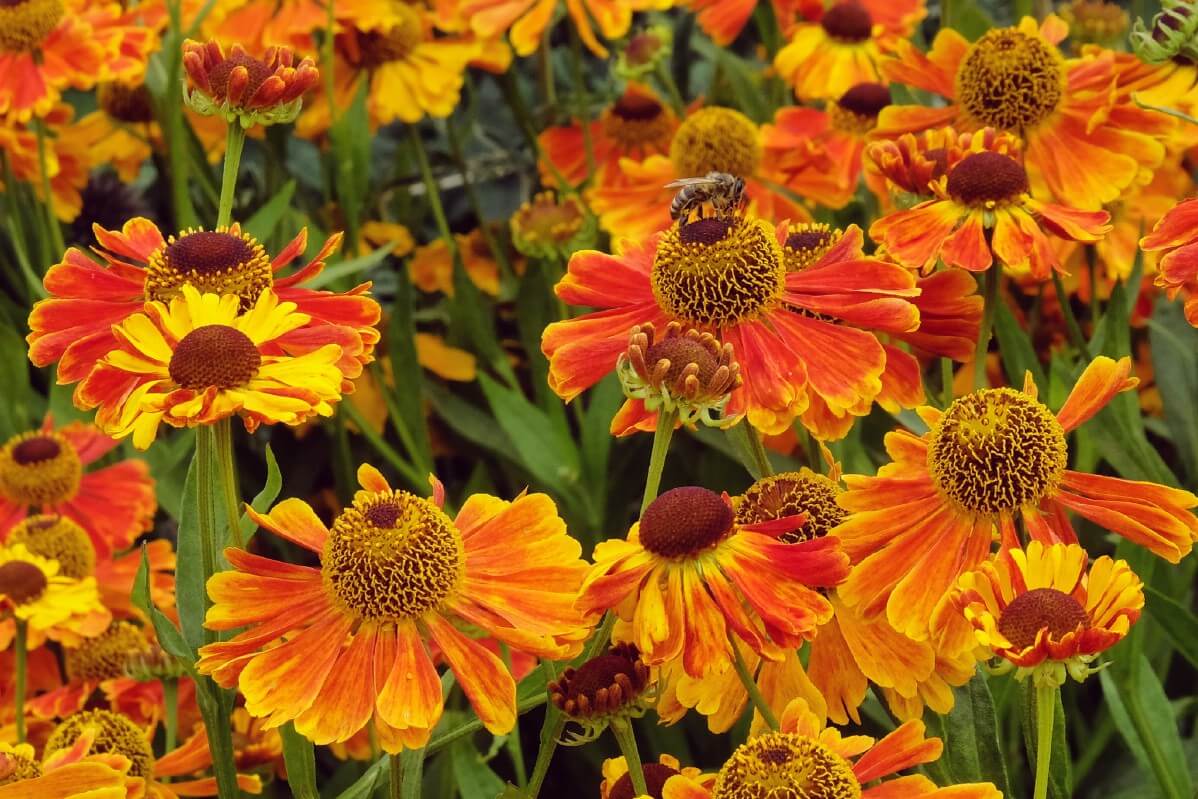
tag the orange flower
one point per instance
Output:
(259, 24)
(1084, 144)
(243, 89)
(525, 21)
(723, 20)
(690, 579)
(396, 572)
(67, 774)
(843, 47)
(431, 265)
(1176, 235)
(74, 326)
(985, 192)
(69, 159)
(995, 456)
(45, 470)
(732, 276)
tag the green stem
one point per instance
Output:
(411, 771)
(1046, 698)
(56, 242)
(626, 739)
(582, 101)
(1071, 325)
(657, 460)
(170, 701)
(514, 746)
(991, 281)
(396, 788)
(417, 480)
(176, 134)
(662, 71)
(742, 671)
(946, 381)
(752, 452)
(206, 466)
(234, 143)
(22, 653)
(497, 251)
(1092, 273)
(228, 478)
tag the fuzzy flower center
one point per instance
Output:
(780, 765)
(214, 262)
(257, 71)
(115, 734)
(656, 776)
(25, 24)
(57, 538)
(1010, 80)
(684, 522)
(105, 656)
(848, 21)
(856, 112)
(39, 468)
(681, 351)
(395, 43)
(214, 356)
(1041, 609)
(548, 221)
(789, 494)
(806, 243)
(716, 140)
(996, 450)
(22, 582)
(16, 766)
(636, 122)
(987, 179)
(717, 271)
(126, 103)
(392, 556)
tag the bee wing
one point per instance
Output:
(682, 182)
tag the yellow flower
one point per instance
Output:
(33, 590)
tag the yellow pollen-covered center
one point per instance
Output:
(57, 538)
(996, 450)
(781, 765)
(1010, 80)
(716, 140)
(685, 521)
(16, 766)
(107, 655)
(806, 243)
(22, 582)
(788, 494)
(25, 24)
(392, 556)
(115, 734)
(39, 468)
(394, 43)
(126, 103)
(1041, 609)
(548, 219)
(214, 262)
(214, 356)
(636, 124)
(717, 271)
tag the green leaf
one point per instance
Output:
(169, 637)
(300, 758)
(351, 154)
(18, 411)
(1175, 363)
(364, 787)
(471, 773)
(473, 316)
(412, 762)
(264, 221)
(354, 267)
(534, 312)
(468, 421)
(189, 571)
(1018, 354)
(743, 78)
(972, 752)
(546, 451)
(404, 402)
(270, 491)
(969, 19)
(1176, 621)
(1060, 761)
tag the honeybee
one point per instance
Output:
(725, 192)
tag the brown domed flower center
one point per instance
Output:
(806, 243)
(396, 42)
(126, 103)
(18, 765)
(25, 24)
(257, 71)
(716, 140)
(602, 685)
(781, 765)
(114, 734)
(717, 271)
(681, 351)
(214, 262)
(638, 123)
(1041, 609)
(58, 538)
(39, 468)
(392, 556)
(105, 656)
(789, 494)
(848, 21)
(656, 776)
(685, 521)
(987, 179)
(996, 450)
(22, 582)
(856, 112)
(1010, 80)
(214, 356)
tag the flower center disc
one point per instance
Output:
(637, 122)
(60, 539)
(395, 43)
(685, 521)
(1041, 609)
(548, 220)
(257, 71)
(986, 179)
(22, 582)
(25, 24)
(105, 656)
(126, 103)
(656, 776)
(996, 450)
(806, 244)
(1010, 80)
(214, 356)
(15, 767)
(788, 494)
(856, 112)
(682, 351)
(392, 556)
(848, 22)
(39, 468)
(214, 262)
(716, 140)
(115, 734)
(780, 765)
(717, 271)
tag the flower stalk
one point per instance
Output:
(622, 729)
(22, 664)
(755, 696)
(234, 143)
(1046, 696)
(657, 459)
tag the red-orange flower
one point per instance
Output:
(245, 89)
(1176, 235)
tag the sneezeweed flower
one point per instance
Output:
(552, 226)
(1042, 612)
(614, 685)
(690, 579)
(1176, 235)
(1172, 36)
(687, 373)
(121, 131)
(993, 457)
(397, 575)
(617, 783)
(46, 470)
(74, 326)
(524, 21)
(201, 359)
(723, 20)
(259, 24)
(908, 166)
(245, 89)
(983, 211)
(431, 266)
(822, 763)
(68, 158)
(843, 47)
(67, 774)
(644, 52)
(1084, 144)
(1094, 22)
(53, 606)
